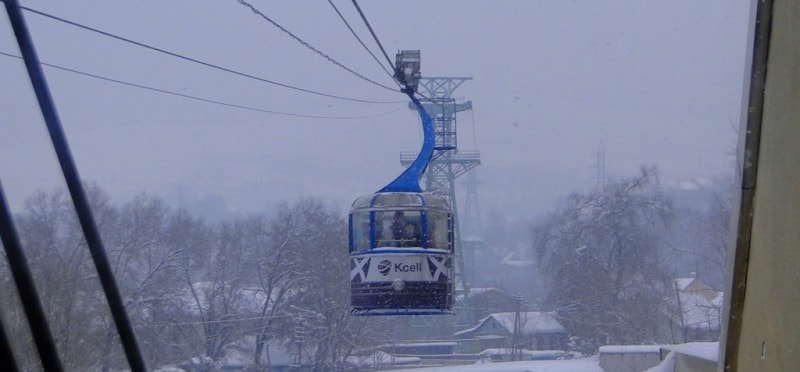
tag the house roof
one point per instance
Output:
(532, 322)
(476, 293)
(683, 283)
(700, 306)
(488, 294)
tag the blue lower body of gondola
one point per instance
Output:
(401, 282)
(416, 298)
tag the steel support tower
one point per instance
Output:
(447, 162)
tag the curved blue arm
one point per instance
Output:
(408, 181)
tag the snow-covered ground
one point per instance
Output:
(702, 350)
(575, 365)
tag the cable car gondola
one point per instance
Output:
(401, 238)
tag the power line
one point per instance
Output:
(207, 64)
(371, 31)
(164, 91)
(361, 42)
(309, 46)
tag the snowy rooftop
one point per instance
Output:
(533, 322)
(575, 365)
(700, 306)
(682, 283)
(702, 350)
(629, 349)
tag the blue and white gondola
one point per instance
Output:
(401, 238)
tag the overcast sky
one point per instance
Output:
(656, 82)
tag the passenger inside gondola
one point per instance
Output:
(362, 236)
(410, 236)
(432, 234)
(398, 225)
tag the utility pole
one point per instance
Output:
(600, 168)
(516, 349)
(472, 237)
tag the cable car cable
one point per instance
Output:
(309, 46)
(361, 41)
(81, 203)
(207, 64)
(164, 91)
(371, 31)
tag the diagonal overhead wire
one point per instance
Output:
(207, 64)
(201, 99)
(361, 41)
(309, 46)
(371, 31)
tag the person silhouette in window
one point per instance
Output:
(398, 227)
(432, 235)
(411, 236)
(362, 237)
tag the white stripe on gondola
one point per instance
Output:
(441, 267)
(359, 271)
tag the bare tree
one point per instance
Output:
(65, 277)
(192, 292)
(700, 240)
(600, 253)
(213, 277)
(274, 266)
(151, 249)
(317, 240)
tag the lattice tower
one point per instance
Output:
(447, 163)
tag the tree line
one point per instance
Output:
(202, 293)
(195, 293)
(609, 257)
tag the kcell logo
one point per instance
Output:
(405, 268)
(384, 267)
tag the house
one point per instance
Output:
(694, 312)
(531, 330)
